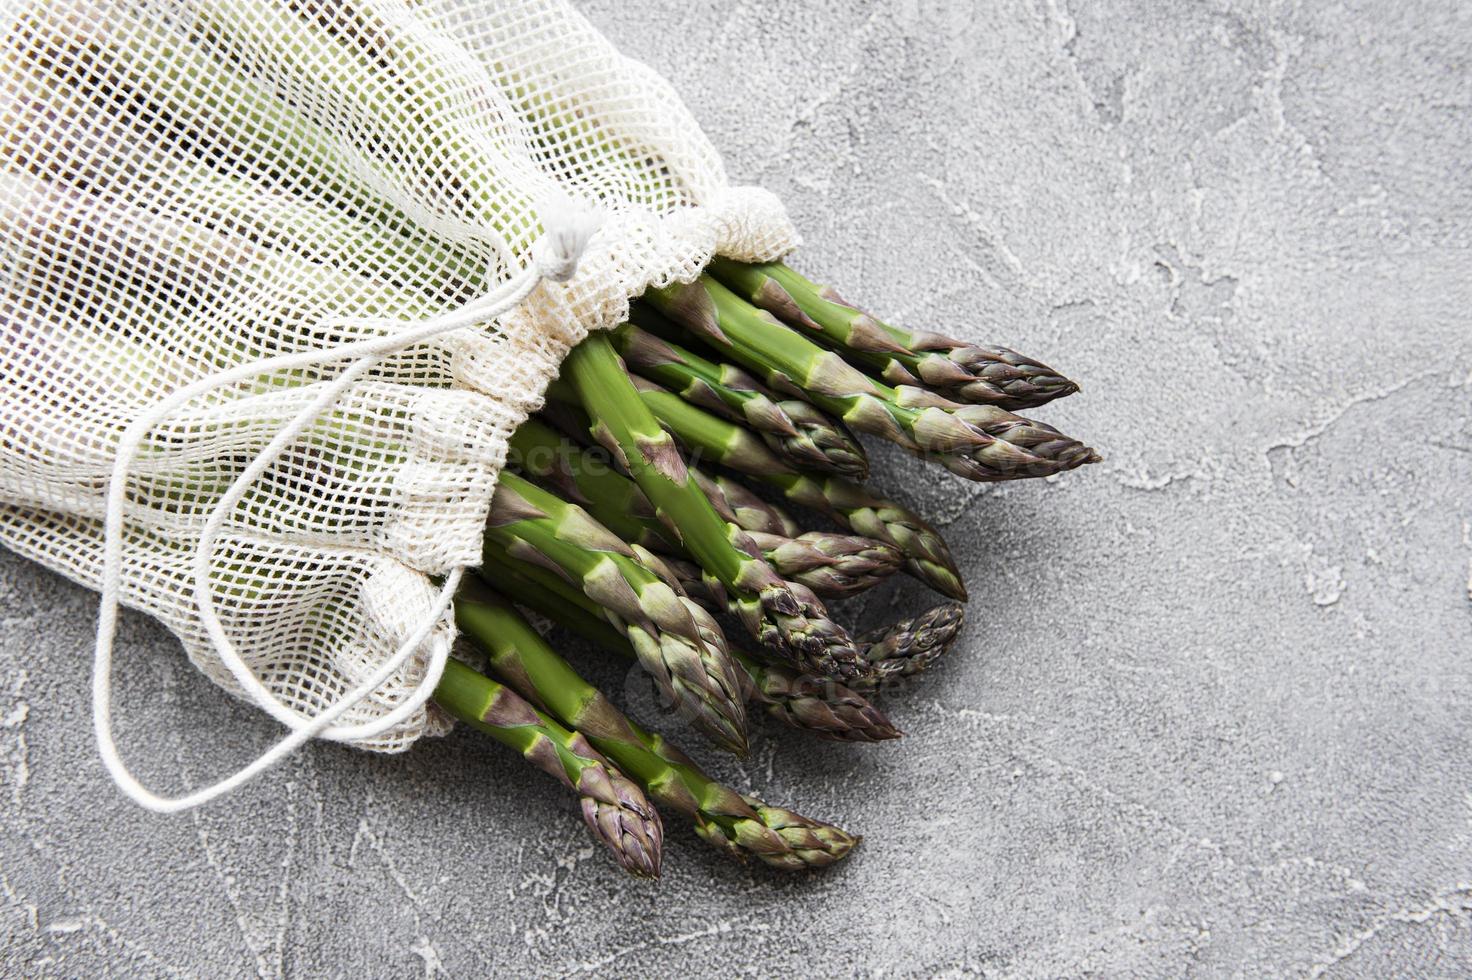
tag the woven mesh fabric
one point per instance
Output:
(188, 186)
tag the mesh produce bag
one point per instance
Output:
(278, 284)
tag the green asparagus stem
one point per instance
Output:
(979, 442)
(748, 511)
(983, 375)
(794, 429)
(770, 610)
(614, 808)
(898, 650)
(925, 551)
(587, 478)
(678, 643)
(805, 564)
(820, 706)
(891, 652)
(740, 825)
(733, 501)
(832, 565)
(909, 646)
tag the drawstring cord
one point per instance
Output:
(555, 256)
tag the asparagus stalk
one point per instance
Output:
(794, 429)
(832, 565)
(897, 650)
(587, 478)
(979, 442)
(749, 511)
(820, 706)
(891, 652)
(678, 643)
(925, 552)
(614, 808)
(977, 374)
(801, 631)
(909, 646)
(738, 824)
(733, 501)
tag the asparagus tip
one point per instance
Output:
(778, 837)
(807, 843)
(628, 825)
(823, 707)
(908, 646)
(943, 579)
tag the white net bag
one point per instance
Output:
(278, 281)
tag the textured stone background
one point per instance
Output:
(1212, 714)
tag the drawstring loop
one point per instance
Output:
(568, 227)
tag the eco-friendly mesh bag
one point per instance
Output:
(277, 287)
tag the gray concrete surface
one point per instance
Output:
(1212, 714)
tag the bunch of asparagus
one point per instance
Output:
(639, 508)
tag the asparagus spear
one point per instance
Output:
(979, 374)
(733, 501)
(801, 631)
(794, 429)
(678, 643)
(925, 551)
(748, 511)
(738, 824)
(909, 646)
(979, 442)
(892, 652)
(820, 706)
(897, 650)
(614, 808)
(832, 565)
(587, 478)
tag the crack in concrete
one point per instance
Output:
(1454, 901)
(717, 930)
(422, 946)
(1287, 445)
